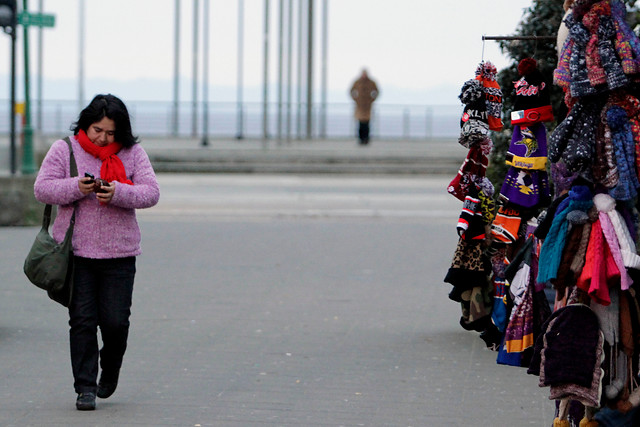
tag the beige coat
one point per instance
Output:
(364, 91)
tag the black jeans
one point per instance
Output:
(102, 295)
(363, 132)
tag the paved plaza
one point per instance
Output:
(275, 300)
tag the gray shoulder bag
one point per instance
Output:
(49, 264)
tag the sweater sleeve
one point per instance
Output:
(145, 192)
(54, 185)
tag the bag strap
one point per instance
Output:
(72, 160)
(73, 168)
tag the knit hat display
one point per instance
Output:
(486, 73)
(532, 102)
(584, 245)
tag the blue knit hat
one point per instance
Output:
(622, 138)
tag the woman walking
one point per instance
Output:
(115, 178)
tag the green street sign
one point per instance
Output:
(28, 19)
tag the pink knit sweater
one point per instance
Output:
(101, 231)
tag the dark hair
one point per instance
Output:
(113, 108)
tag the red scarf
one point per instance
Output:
(112, 168)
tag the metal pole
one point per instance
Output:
(406, 123)
(12, 125)
(518, 37)
(310, 70)
(194, 96)
(40, 49)
(176, 69)
(81, 56)
(289, 66)
(280, 53)
(240, 124)
(265, 76)
(28, 165)
(323, 78)
(299, 67)
(205, 74)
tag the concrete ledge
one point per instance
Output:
(19, 206)
(443, 168)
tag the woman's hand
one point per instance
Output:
(105, 194)
(85, 184)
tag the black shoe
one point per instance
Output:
(108, 383)
(86, 401)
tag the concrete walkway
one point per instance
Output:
(244, 316)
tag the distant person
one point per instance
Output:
(364, 91)
(106, 236)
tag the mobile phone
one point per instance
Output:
(100, 182)
(88, 175)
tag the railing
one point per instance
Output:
(156, 118)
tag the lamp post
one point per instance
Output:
(205, 74)
(176, 69)
(28, 165)
(239, 88)
(8, 22)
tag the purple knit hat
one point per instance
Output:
(526, 188)
(528, 148)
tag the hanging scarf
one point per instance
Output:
(112, 168)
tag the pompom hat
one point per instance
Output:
(532, 102)
(486, 73)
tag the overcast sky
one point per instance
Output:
(419, 51)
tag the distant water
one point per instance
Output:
(150, 118)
